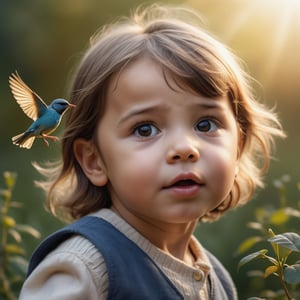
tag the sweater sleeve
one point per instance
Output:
(75, 270)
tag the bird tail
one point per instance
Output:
(23, 140)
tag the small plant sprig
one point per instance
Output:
(13, 264)
(283, 245)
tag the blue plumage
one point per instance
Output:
(46, 118)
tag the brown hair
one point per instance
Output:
(196, 61)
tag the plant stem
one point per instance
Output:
(283, 283)
(286, 291)
(281, 262)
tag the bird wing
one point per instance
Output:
(30, 102)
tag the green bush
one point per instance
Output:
(281, 252)
(13, 265)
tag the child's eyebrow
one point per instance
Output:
(142, 110)
(212, 104)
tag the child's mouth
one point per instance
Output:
(182, 183)
(184, 188)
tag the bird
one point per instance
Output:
(45, 118)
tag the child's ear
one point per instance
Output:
(90, 161)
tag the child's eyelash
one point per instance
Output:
(138, 124)
(210, 118)
(148, 122)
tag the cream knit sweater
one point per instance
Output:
(76, 270)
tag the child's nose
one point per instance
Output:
(182, 150)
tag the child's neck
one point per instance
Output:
(174, 243)
(173, 239)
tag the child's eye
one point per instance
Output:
(206, 126)
(145, 130)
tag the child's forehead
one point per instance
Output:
(145, 73)
(146, 81)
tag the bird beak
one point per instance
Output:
(71, 105)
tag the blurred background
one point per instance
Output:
(43, 40)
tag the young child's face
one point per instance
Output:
(169, 155)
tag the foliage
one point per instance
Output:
(13, 264)
(284, 246)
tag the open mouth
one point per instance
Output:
(184, 188)
(186, 182)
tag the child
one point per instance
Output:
(165, 133)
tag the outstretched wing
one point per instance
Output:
(30, 102)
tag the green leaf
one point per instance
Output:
(252, 256)
(6, 194)
(292, 212)
(16, 235)
(274, 246)
(268, 294)
(271, 259)
(261, 214)
(248, 243)
(16, 204)
(255, 226)
(271, 232)
(18, 263)
(292, 273)
(10, 179)
(289, 240)
(255, 273)
(29, 230)
(270, 270)
(9, 222)
(14, 249)
(279, 217)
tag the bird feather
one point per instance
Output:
(23, 142)
(30, 102)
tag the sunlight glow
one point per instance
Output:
(268, 29)
(284, 17)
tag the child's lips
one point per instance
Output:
(186, 184)
(185, 179)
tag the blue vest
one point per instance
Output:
(132, 274)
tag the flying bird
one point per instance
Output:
(46, 118)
